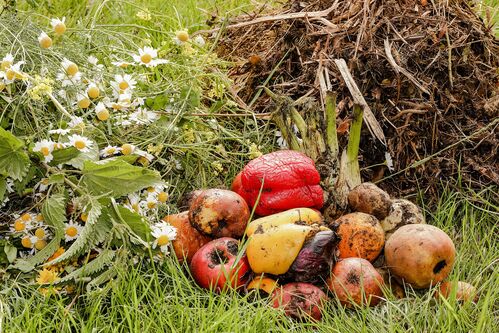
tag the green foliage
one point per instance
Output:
(97, 265)
(116, 178)
(64, 155)
(14, 161)
(137, 224)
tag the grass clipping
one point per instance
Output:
(428, 71)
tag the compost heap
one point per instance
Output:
(427, 69)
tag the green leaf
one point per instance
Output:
(98, 264)
(57, 178)
(64, 155)
(91, 155)
(95, 231)
(14, 161)
(54, 214)
(117, 178)
(136, 222)
(10, 251)
(3, 188)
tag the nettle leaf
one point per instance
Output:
(54, 214)
(95, 231)
(104, 259)
(117, 178)
(14, 162)
(64, 155)
(136, 222)
(91, 155)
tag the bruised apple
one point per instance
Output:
(188, 240)
(300, 300)
(420, 254)
(356, 281)
(215, 266)
(463, 291)
(370, 199)
(219, 213)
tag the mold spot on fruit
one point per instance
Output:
(232, 247)
(217, 257)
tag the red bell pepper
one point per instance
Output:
(290, 180)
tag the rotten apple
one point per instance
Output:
(300, 300)
(215, 266)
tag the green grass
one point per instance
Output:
(164, 298)
(144, 299)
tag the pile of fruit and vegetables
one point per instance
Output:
(267, 236)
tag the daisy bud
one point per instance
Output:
(183, 36)
(44, 40)
(93, 91)
(58, 25)
(101, 112)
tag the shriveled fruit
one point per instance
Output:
(219, 213)
(402, 212)
(370, 199)
(188, 240)
(356, 281)
(300, 300)
(420, 254)
(360, 235)
(463, 291)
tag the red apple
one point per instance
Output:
(300, 300)
(215, 266)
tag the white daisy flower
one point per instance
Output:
(41, 232)
(144, 154)
(45, 147)
(158, 191)
(181, 37)
(71, 73)
(138, 102)
(123, 84)
(58, 25)
(151, 202)
(69, 67)
(148, 57)
(110, 151)
(122, 64)
(76, 122)
(199, 41)
(123, 102)
(71, 231)
(163, 234)
(95, 62)
(143, 116)
(42, 185)
(93, 90)
(81, 143)
(128, 149)
(28, 241)
(7, 61)
(82, 101)
(101, 112)
(44, 40)
(133, 203)
(60, 131)
(14, 72)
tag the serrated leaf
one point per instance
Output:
(136, 222)
(117, 178)
(14, 161)
(95, 266)
(10, 252)
(95, 231)
(64, 155)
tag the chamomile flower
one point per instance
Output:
(110, 151)
(7, 61)
(71, 73)
(199, 41)
(122, 64)
(82, 101)
(76, 122)
(42, 185)
(59, 131)
(143, 116)
(71, 231)
(163, 234)
(70, 67)
(45, 147)
(81, 143)
(148, 57)
(181, 37)
(144, 154)
(93, 91)
(159, 192)
(151, 202)
(101, 112)
(58, 25)
(95, 62)
(122, 103)
(21, 225)
(14, 72)
(128, 149)
(123, 83)
(134, 203)
(44, 40)
(28, 241)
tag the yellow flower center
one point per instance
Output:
(135, 207)
(45, 151)
(84, 217)
(117, 106)
(151, 204)
(45, 42)
(183, 36)
(71, 231)
(60, 28)
(6, 64)
(26, 217)
(39, 217)
(150, 189)
(111, 151)
(126, 149)
(72, 69)
(10, 74)
(26, 242)
(103, 115)
(84, 103)
(163, 240)
(123, 85)
(40, 244)
(80, 144)
(162, 196)
(93, 92)
(146, 58)
(19, 225)
(40, 233)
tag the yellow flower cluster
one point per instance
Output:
(41, 87)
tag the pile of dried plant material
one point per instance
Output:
(427, 73)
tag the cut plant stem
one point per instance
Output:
(353, 145)
(331, 134)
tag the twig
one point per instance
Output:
(371, 121)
